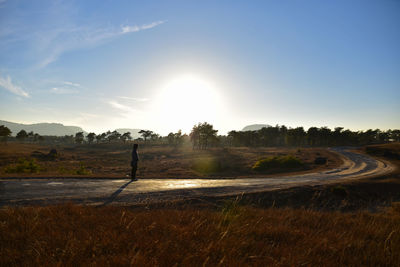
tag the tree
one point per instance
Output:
(296, 136)
(202, 135)
(113, 136)
(36, 137)
(4, 133)
(79, 137)
(90, 137)
(146, 134)
(175, 139)
(154, 137)
(22, 135)
(126, 136)
(101, 137)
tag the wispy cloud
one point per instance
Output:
(135, 28)
(48, 31)
(7, 84)
(135, 99)
(65, 87)
(73, 84)
(117, 105)
(62, 91)
(63, 40)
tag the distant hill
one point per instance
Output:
(56, 129)
(255, 127)
(134, 132)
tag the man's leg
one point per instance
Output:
(133, 172)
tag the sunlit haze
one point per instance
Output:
(185, 99)
(167, 65)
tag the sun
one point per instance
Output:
(187, 100)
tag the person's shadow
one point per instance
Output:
(116, 193)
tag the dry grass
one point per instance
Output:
(235, 236)
(113, 160)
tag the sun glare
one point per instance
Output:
(187, 100)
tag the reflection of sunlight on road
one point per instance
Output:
(182, 184)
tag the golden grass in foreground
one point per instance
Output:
(237, 236)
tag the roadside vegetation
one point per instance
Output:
(278, 164)
(113, 160)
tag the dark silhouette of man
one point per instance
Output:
(134, 162)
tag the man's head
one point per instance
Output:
(135, 146)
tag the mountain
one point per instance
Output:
(255, 127)
(134, 132)
(56, 129)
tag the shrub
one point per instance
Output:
(278, 163)
(24, 166)
(339, 190)
(82, 170)
(320, 160)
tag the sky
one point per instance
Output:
(168, 65)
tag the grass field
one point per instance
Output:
(113, 160)
(294, 227)
(231, 236)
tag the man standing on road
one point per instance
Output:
(134, 162)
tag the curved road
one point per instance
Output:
(105, 192)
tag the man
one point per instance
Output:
(134, 162)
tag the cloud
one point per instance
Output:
(7, 84)
(63, 40)
(73, 84)
(64, 87)
(128, 29)
(62, 90)
(135, 99)
(120, 106)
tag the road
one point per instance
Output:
(121, 192)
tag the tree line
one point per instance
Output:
(314, 136)
(203, 136)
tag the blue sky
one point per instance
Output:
(104, 64)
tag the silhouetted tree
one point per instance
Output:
(154, 137)
(175, 139)
(146, 134)
(395, 135)
(4, 133)
(22, 135)
(113, 136)
(126, 136)
(90, 137)
(99, 138)
(79, 137)
(296, 136)
(202, 135)
(313, 136)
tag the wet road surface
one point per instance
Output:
(123, 191)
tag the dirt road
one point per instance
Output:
(121, 192)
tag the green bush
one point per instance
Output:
(278, 163)
(24, 166)
(82, 170)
